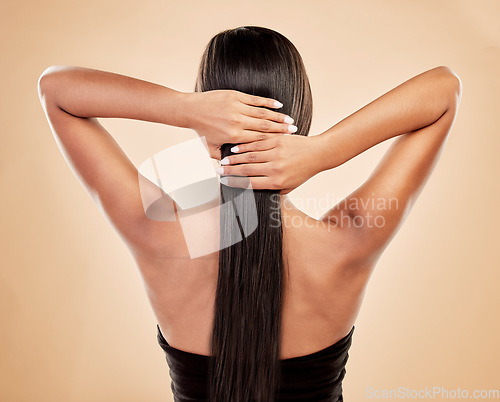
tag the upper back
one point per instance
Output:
(321, 291)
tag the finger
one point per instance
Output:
(247, 170)
(215, 153)
(267, 126)
(236, 181)
(255, 100)
(256, 142)
(256, 183)
(247, 157)
(266, 114)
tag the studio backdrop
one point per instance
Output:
(75, 322)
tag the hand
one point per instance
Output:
(280, 162)
(233, 117)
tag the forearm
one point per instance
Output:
(87, 93)
(414, 104)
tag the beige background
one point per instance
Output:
(76, 325)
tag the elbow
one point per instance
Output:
(42, 87)
(457, 93)
(46, 80)
(453, 85)
(47, 85)
(43, 83)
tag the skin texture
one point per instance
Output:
(328, 261)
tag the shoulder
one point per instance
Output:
(188, 234)
(318, 241)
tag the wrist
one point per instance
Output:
(174, 109)
(321, 157)
(186, 102)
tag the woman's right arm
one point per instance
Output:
(420, 112)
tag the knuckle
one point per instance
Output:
(277, 182)
(231, 95)
(235, 118)
(245, 171)
(262, 137)
(262, 113)
(265, 125)
(252, 157)
(230, 100)
(278, 167)
(255, 100)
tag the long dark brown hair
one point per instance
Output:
(247, 323)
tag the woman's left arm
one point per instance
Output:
(74, 97)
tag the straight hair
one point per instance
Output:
(248, 302)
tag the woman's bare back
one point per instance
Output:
(321, 293)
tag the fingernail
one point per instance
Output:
(224, 161)
(223, 180)
(292, 129)
(287, 134)
(220, 170)
(278, 104)
(288, 120)
(235, 149)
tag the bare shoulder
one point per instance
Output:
(329, 247)
(186, 234)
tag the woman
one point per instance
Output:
(271, 315)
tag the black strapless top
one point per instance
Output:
(314, 377)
